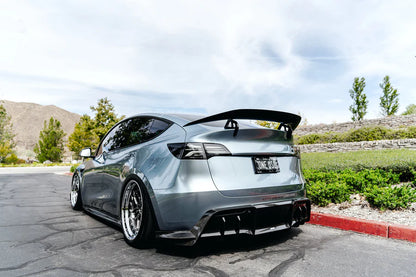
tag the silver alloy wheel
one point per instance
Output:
(132, 210)
(74, 190)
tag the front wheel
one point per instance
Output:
(136, 217)
(75, 195)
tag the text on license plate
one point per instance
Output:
(265, 165)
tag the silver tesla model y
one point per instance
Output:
(183, 177)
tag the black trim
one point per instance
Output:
(289, 119)
(248, 219)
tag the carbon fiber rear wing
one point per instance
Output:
(286, 119)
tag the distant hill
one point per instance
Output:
(28, 118)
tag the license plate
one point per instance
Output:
(265, 165)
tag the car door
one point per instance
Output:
(121, 156)
(93, 190)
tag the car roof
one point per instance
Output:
(183, 119)
(180, 119)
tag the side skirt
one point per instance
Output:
(103, 215)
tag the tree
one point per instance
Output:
(51, 142)
(83, 136)
(360, 102)
(89, 131)
(105, 117)
(6, 135)
(389, 101)
(410, 109)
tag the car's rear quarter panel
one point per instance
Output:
(229, 181)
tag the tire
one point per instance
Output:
(136, 215)
(75, 194)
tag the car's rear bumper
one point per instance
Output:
(248, 219)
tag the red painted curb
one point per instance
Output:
(402, 232)
(369, 227)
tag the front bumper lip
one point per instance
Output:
(295, 213)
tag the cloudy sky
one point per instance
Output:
(207, 56)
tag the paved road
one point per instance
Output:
(41, 235)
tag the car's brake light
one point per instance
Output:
(197, 151)
(215, 149)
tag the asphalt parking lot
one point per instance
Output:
(40, 235)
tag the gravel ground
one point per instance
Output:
(359, 208)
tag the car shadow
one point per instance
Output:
(227, 244)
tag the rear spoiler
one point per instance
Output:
(287, 119)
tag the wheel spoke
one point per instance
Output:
(132, 210)
(74, 190)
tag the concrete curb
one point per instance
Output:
(370, 227)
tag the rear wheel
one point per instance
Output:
(136, 218)
(75, 195)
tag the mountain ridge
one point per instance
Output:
(28, 119)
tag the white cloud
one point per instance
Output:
(206, 56)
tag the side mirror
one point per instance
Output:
(85, 153)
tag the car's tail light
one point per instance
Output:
(215, 149)
(197, 151)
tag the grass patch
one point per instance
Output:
(397, 160)
(73, 167)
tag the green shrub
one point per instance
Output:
(369, 133)
(390, 197)
(322, 193)
(357, 181)
(74, 167)
(13, 159)
(374, 177)
(308, 139)
(312, 175)
(411, 132)
(326, 187)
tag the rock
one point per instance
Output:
(344, 205)
(364, 204)
(355, 199)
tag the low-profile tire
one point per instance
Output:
(75, 194)
(136, 216)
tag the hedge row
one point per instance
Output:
(333, 177)
(380, 187)
(362, 134)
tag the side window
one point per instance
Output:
(118, 137)
(132, 131)
(139, 130)
(143, 129)
(158, 127)
(107, 142)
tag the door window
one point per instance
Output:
(133, 131)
